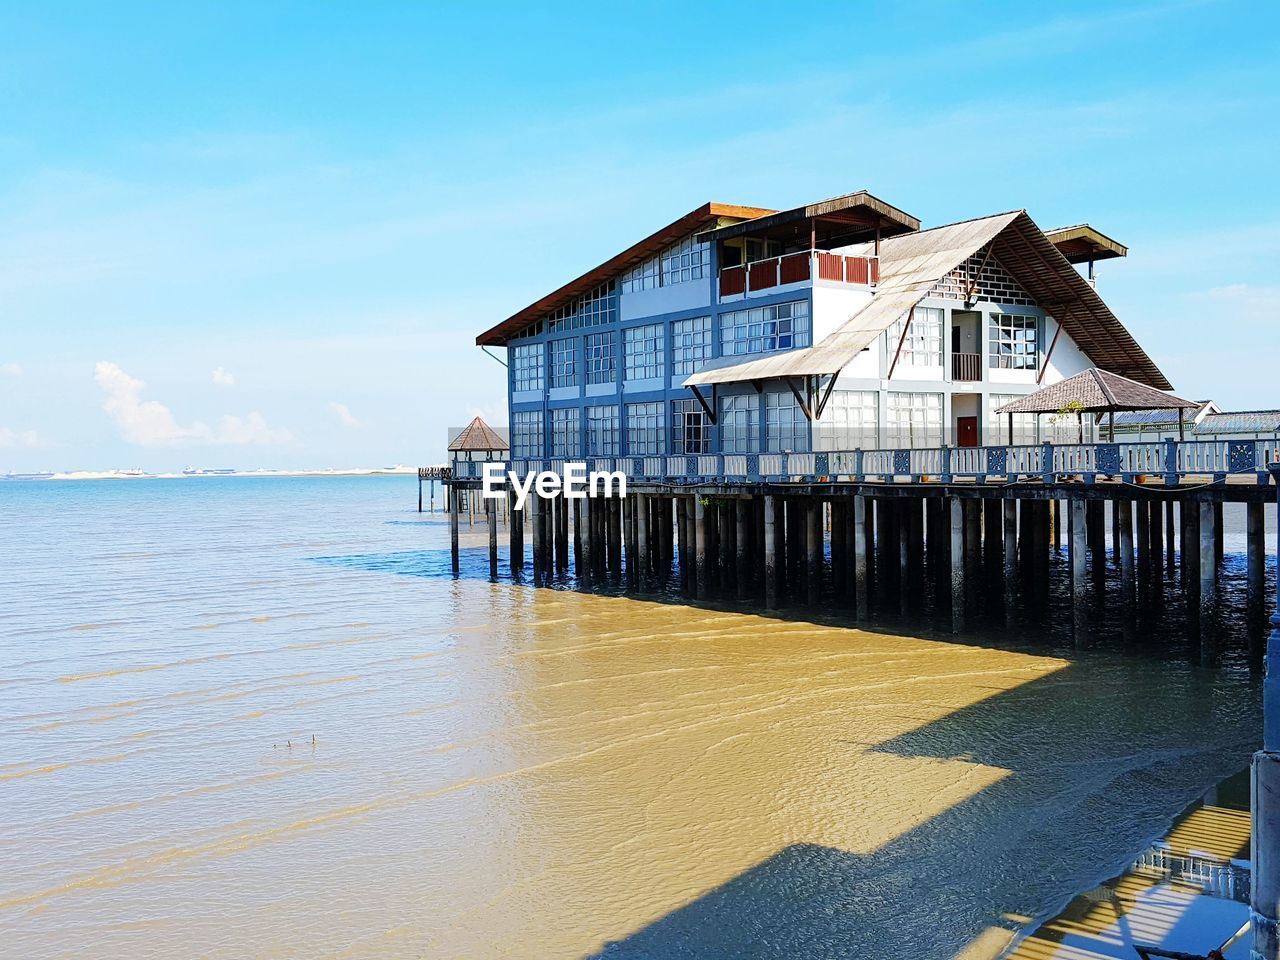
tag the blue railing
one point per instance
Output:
(1171, 460)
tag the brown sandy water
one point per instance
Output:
(499, 771)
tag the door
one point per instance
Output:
(966, 431)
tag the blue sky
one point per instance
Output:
(266, 234)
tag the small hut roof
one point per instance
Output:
(477, 435)
(1097, 391)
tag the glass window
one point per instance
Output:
(643, 276)
(849, 421)
(526, 434)
(780, 326)
(644, 428)
(602, 431)
(685, 261)
(923, 345)
(599, 358)
(915, 420)
(1014, 342)
(564, 362)
(690, 345)
(1024, 424)
(740, 423)
(527, 365)
(644, 352)
(566, 432)
(786, 428)
(690, 430)
(597, 307)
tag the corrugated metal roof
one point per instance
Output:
(1093, 391)
(1243, 421)
(910, 265)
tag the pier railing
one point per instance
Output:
(1171, 461)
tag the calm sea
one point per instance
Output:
(258, 718)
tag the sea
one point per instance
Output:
(261, 718)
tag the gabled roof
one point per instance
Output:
(477, 435)
(848, 218)
(1241, 421)
(1082, 243)
(912, 264)
(706, 215)
(1094, 391)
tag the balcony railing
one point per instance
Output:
(802, 267)
(966, 367)
(1172, 461)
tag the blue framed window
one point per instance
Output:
(566, 432)
(526, 435)
(528, 364)
(564, 362)
(600, 358)
(644, 352)
(779, 326)
(740, 423)
(690, 344)
(644, 428)
(602, 430)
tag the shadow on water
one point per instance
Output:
(976, 863)
(1092, 761)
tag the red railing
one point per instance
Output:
(798, 268)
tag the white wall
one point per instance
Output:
(668, 299)
(835, 304)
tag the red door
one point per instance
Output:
(967, 431)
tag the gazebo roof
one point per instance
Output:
(1097, 391)
(477, 435)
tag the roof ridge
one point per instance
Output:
(1103, 386)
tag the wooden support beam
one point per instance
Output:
(911, 315)
(799, 399)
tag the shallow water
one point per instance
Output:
(499, 771)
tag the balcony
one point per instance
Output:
(966, 367)
(762, 276)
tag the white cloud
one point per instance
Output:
(344, 416)
(1243, 301)
(149, 423)
(10, 370)
(224, 378)
(18, 438)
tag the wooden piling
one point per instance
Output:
(700, 545)
(860, 557)
(742, 547)
(956, 560)
(1010, 548)
(515, 534)
(1124, 548)
(1076, 557)
(814, 550)
(1255, 562)
(1208, 598)
(453, 526)
(491, 517)
(1171, 547)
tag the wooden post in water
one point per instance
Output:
(515, 534)
(742, 547)
(1095, 516)
(1055, 507)
(1157, 553)
(700, 546)
(860, 557)
(770, 553)
(491, 517)
(1255, 561)
(1124, 512)
(1218, 534)
(727, 528)
(957, 563)
(682, 542)
(1076, 557)
(615, 536)
(972, 550)
(1143, 508)
(839, 550)
(1208, 598)
(452, 493)
(537, 510)
(905, 546)
(813, 544)
(1191, 558)
(1170, 540)
(1010, 510)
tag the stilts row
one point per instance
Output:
(875, 551)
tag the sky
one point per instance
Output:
(266, 234)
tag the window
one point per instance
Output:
(761, 329)
(526, 434)
(689, 427)
(785, 425)
(564, 368)
(566, 432)
(690, 344)
(923, 345)
(643, 276)
(644, 428)
(740, 424)
(597, 307)
(1024, 424)
(644, 353)
(849, 421)
(1014, 342)
(685, 261)
(915, 420)
(602, 431)
(527, 365)
(599, 358)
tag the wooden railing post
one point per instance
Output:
(1171, 462)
